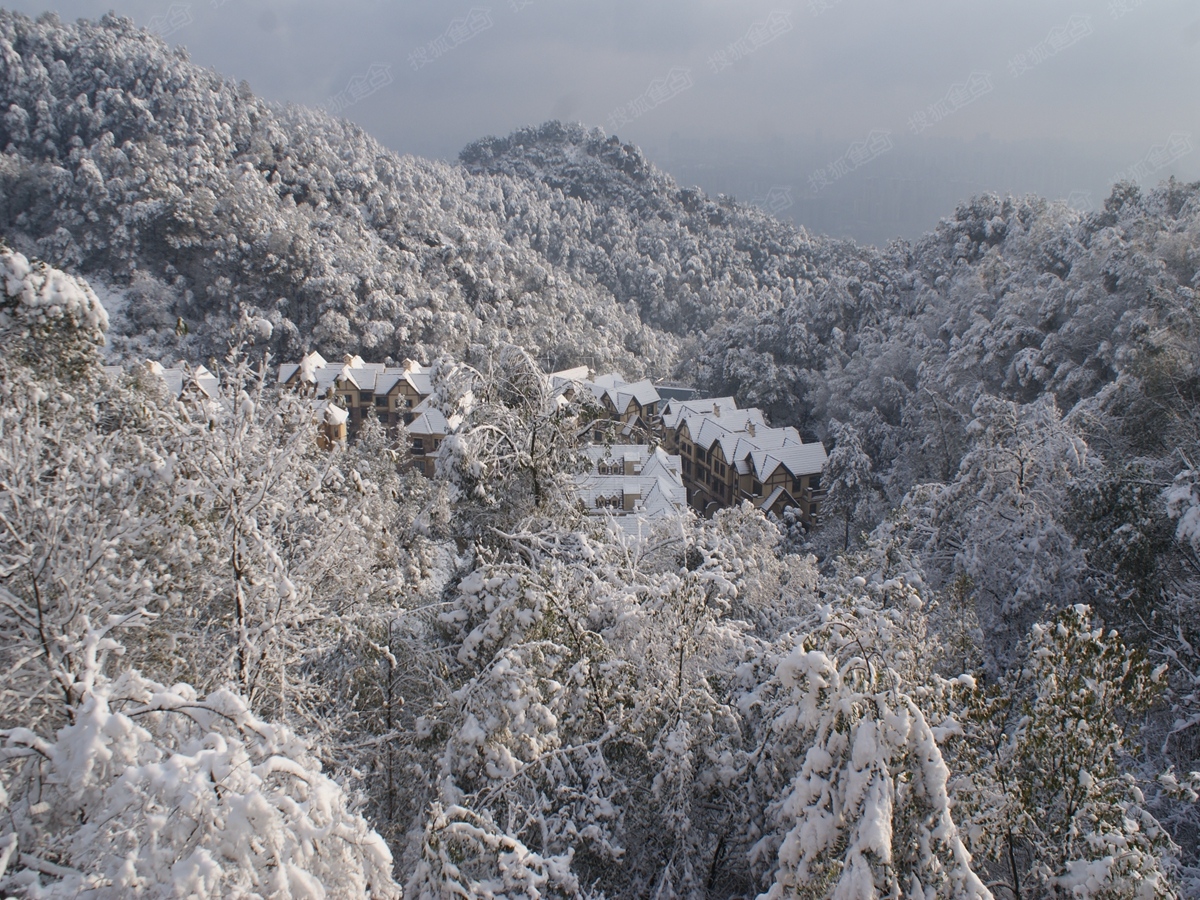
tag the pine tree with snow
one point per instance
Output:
(1042, 790)
(862, 808)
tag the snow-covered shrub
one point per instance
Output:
(465, 855)
(1040, 787)
(154, 791)
(854, 781)
(1183, 505)
(48, 317)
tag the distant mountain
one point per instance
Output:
(188, 197)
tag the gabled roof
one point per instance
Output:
(569, 377)
(653, 462)
(358, 375)
(430, 423)
(332, 414)
(643, 392)
(744, 438)
(178, 379)
(774, 497)
(422, 382)
(658, 485)
(207, 382)
(674, 411)
(387, 380)
(799, 459)
(619, 392)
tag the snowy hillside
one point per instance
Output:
(239, 663)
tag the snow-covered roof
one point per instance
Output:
(357, 374)
(334, 414)
(799, 459)
(648, 462)
(569, 377)
(643, 392)
(207, 382)
(653, 481)
(387, 380)
(620, 392)
(178, 379)
(422, 382)
(771, 498)
(430, 423)
(674, 411)
(744, 438)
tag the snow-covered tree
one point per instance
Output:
(1042, 789)
(156, 791)
(849, 480)
(862, 809)
(514, 447)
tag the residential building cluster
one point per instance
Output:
(651, 451)
(727, 455)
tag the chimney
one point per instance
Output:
(750, 429)
(717, 410)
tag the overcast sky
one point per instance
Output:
(818, 97)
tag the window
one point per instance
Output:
(418, 445)
(381, 401)
(756, 488)
(366, 396)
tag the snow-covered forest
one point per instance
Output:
(240, 665)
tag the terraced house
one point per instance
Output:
(730, 455)
(722, 455)
(393, 392)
